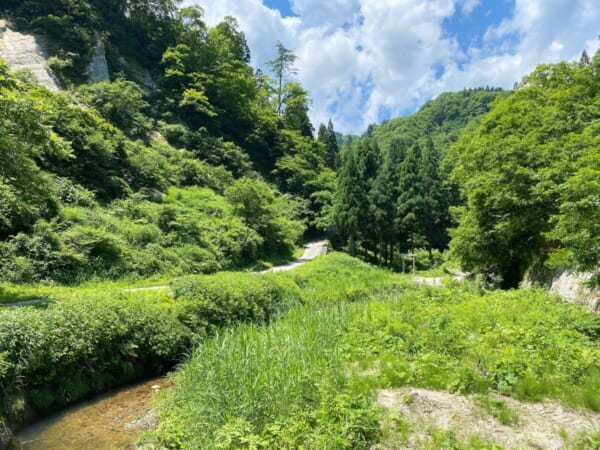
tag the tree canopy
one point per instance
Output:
(530, 177)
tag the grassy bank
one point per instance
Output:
(310, 380)
(90, 340)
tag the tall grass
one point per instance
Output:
(280, 387)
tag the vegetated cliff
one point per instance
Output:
(26, 51)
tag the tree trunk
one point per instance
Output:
(385, 252)
(352, 245)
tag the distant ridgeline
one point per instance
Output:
(186, 161)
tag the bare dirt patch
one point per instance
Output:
(546, 425)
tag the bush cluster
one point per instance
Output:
(84, 344)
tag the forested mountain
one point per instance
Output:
(394, 190)
(442, 120)
(210, 165)
(514, 175)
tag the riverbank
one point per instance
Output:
(113, 420)
(71, 349)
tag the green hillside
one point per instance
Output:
(443, 119)
(189, 168)
(200, 171)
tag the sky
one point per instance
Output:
(365, 61)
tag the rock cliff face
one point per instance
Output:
(26, 51)
(571, 286)
(98, 69)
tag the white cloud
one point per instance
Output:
(469, 5)
(359, 58)
(334, 13)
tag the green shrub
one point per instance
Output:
(90, 341)
(226, 299)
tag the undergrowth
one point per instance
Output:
(309, 380)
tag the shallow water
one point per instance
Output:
(111, 421)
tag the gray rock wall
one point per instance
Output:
(571, 286)
(26, 51)
(98, 68)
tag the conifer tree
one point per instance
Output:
(282, 66)
(410, 204)
(368, 163)
(331, 145)
(348, 198)
(328, 137)
(435, 208)
(585, 59)
(322, 133)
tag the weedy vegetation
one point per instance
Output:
(310, 379)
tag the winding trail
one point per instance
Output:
(311, 251)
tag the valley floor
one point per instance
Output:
(335, 354)
(373, 360)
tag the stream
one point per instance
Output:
(110, 421)
(116, 419)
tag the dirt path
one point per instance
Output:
(311, 251)
(32, 302)
(439, 281)
(547, 425)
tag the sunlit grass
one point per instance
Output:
(362, 329)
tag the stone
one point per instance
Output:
(26, 51)
(571, 285)
(98, 68)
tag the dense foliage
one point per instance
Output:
(90, 340)
(104, 180)
(81, 199)
(530, 176)
(394, 190)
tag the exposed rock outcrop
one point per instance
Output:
(98, 68)
(26, 51)
(137, 73)
(568, 283)
(571, 286)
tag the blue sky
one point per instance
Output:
(469, 29)
(283, 6)
(364, 61)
